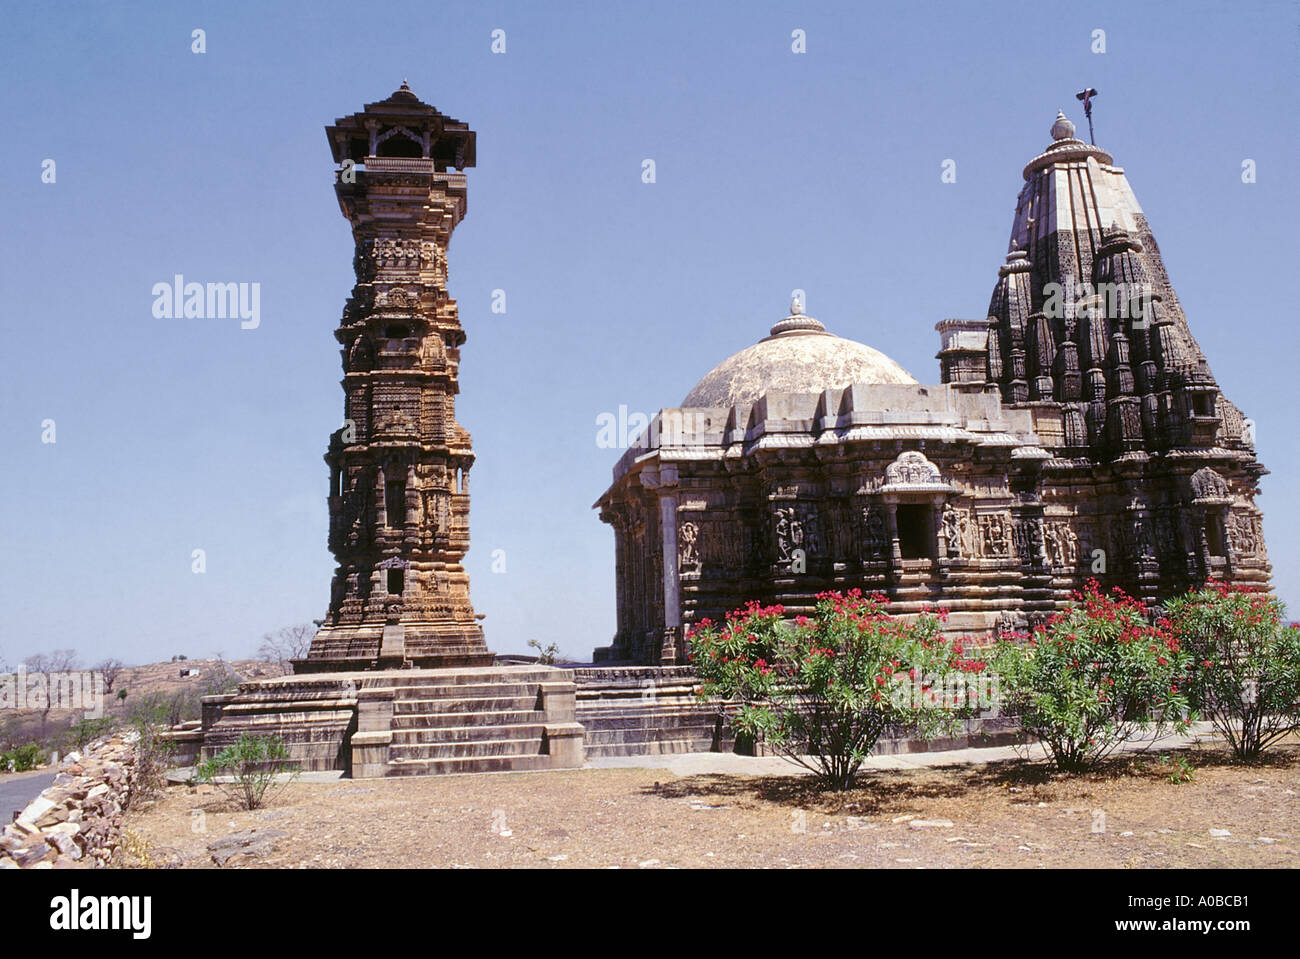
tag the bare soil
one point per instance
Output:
(1006, 814)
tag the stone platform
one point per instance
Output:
(411, 722)
(647, 710)
(408, 721)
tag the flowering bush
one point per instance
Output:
(1245, 674)
(821, 689)
(1093, 676)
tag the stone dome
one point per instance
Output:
(798, 356)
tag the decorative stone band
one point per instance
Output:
(78, 820)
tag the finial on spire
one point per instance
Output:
(796, 306)
(1086, 96)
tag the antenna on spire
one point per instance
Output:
(1086, 96)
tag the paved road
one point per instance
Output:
(18, 789)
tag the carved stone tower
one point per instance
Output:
(399, 467)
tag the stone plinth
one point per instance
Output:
(409, 721)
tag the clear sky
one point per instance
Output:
(774, 171)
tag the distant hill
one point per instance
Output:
(190, 678)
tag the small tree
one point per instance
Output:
(1245, 674)
(288, 643)
(110, 669)
(821, 690)
(148, 718)
(1096, 675)
(247, 770)
(58, 661)
(546, 655)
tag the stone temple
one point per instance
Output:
(1076, 432)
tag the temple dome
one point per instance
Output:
(798, 356)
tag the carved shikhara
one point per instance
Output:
(399, 467)
(1059, 446)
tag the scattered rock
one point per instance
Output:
(1220, 833)
(930, 824)
(245, 845)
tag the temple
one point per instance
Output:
(1076, 432)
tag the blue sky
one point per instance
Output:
(775, 171)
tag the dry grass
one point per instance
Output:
(1004, 814)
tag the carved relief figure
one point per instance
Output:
(688, 554)
(1245, 533)
(994, 536)
(1028, 537)
(873, 533)
(961, 533)
(1062, 544)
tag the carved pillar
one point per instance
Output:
(672, 600)
(891, 531)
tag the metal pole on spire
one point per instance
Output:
(1086, 96)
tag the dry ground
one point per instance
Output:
(1002, 814)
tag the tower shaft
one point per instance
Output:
(399, 467)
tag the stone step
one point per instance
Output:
(468, 764)
(463, 690)
(487, 718)
(477, 677)
(409, 707)
(661, 748)
(480, 734)
(701, 734)
(646, 710)
(531, 746)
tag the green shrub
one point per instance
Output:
(21, 759)
(248, 769)
(85, 731)
(1245, 674)
(1095, 676)
(822, 689)
(1181, 770)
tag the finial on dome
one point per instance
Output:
(796, 322)
(1062, 129)
(404, 86)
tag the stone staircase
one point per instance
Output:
(409, 722)
(460, 721)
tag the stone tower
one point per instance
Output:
(399, 467)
